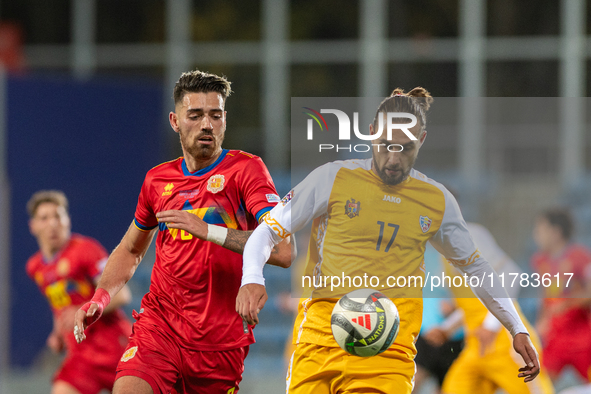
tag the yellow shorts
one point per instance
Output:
(326, 370)
(472, 373)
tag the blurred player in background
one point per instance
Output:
(564, 320)
(488, 359)
(351, 239)
(66, 268)
(436, 354)
(188, 336)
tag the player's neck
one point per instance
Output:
(49, 252)
(196, 164)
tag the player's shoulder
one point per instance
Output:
(333, 167)
(429, 182)
(237, 154)
(579, 251)
(166, 166)
(33, 263)
(241, 158)
(477, 229)
(83, 242)
(351, 164)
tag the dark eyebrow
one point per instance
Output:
(194, 110)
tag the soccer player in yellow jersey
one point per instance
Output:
(373, 217)
(487, 361)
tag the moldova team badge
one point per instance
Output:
(425, 223)
(352, 208)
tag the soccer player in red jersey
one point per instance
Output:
(65, 268)
(203, 206)
(565, 317)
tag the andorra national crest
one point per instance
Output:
(216, 183)
(352, 208)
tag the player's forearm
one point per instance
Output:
(280, 254)
(124, 260)
(494, 296)
(119, 270)
(236, 240)
(257, 251)
(123, 297)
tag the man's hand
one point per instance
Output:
(522, 345)
(63, 323)
(249, 302)
(55, 342)
(435, 336)
(90, 312)
(486, 338)
(184, 220)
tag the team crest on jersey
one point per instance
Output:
(216, 183)
(129, 354)
(168, 190)
(425, 223)
(63, 267)
(352, 208)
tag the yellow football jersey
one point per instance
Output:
(364, 228)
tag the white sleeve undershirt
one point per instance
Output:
(493, 296)
(257, 252)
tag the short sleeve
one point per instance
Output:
(95, 258)
(257, 188)
(453, 239)
(145, 219)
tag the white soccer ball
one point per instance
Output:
(365, 322)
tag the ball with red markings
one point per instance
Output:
(365, 322)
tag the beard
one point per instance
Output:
(193, 148)
(393, 180)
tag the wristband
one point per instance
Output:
(217, 234)
(102, 299)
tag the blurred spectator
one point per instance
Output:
(565, 317)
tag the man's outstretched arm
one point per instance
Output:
(231, 239)
(492, 294)
(119, 269)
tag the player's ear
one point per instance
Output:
(174, 121)
(371, 132)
